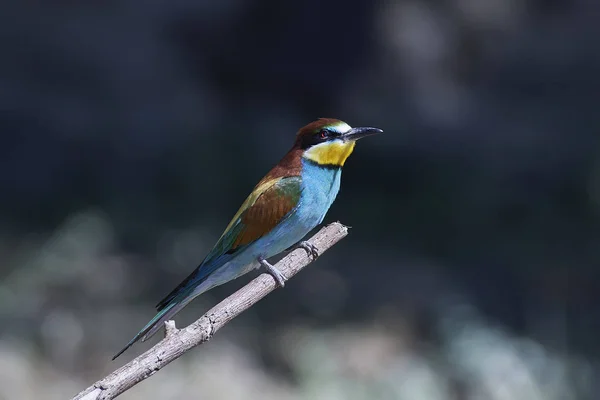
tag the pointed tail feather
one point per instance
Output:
(187, 291)
(170, 313)
(154, 325)
(194, 279)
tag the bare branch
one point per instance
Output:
(179, 341)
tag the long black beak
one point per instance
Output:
(359, 133)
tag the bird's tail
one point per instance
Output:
(158, 321)
(194, 285)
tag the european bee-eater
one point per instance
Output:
(284, 206)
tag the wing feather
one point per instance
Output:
(269, 210)
(267, 206)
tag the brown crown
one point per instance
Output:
(315, 126)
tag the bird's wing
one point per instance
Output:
(267, 206)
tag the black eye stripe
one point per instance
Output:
(320, 136)
(328, 132)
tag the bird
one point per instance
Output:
(286, 204)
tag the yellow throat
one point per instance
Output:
(332, 153)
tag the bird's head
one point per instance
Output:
(329, 142)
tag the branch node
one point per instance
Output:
(170, 329)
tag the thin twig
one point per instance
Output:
(179, 341)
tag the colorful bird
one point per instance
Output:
(284, 206)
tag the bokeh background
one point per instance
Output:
(132, 130)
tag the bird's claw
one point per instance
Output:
(310, 248)
(274, 272)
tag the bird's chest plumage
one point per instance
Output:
(320, 186)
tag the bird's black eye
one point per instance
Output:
(323, 134)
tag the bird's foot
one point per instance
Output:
(310, 248)
(274, 272)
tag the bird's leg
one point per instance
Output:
(274, 272)
(310, 248)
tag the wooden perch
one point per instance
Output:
(179, 341)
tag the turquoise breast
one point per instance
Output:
(320, 186)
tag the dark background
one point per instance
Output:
(132, 130)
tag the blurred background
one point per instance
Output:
(132, 131)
